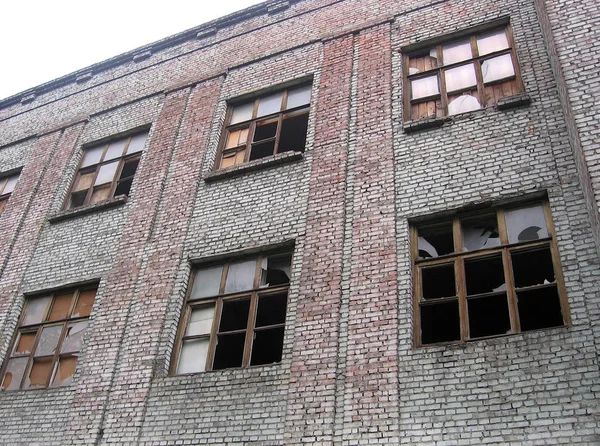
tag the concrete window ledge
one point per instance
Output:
(423, 124)
(263, 163)
(518, 100)
(84, 210)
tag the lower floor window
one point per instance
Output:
(49, 339)
(487, 274)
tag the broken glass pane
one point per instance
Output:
(438, 281)
(267, 346)
(481, 233)
(539, 308)
(484, 275)
(14, 373)
(229, 351)
(275, 270)
(490, 43)
(48, 340)
(84, 303)
(115, 149)
(436, 241)
(269, 104)
(193, 356)
(74, 337)
(440, 323)
(92, 156)
(234, 315)
(526, 224)
(265, 130)
(456, 52)
(298, 96)
(424, 87)
(533, 267)
(25, 344)
(413, 70)
(60, 307)
(460, 77)
(129, 168)
(271, 310)
(242, 113)
(137, 143)
(463, 104)
(200, 320)
(488, 316)
(36, 310)
(10, 184)
(207, 282)
(65, 371)
(106, 173)
(293, 133)
(497, 68)
(240, 276)
(39, 374)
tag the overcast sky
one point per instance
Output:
(41, 40)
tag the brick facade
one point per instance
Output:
(350, 373)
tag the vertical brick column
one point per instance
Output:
(162, 257)
(371, 365)
(116, 295)
(311, 397)
(26, 211)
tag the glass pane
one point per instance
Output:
(436, 241)
(207, 282)
(480, 233)
(269, 104)
(488, 316)
(234, 315)
(25, 343)
(424, 87)
(193, 356)
(106, 173)
(60, 307)
(137, 143)
(74, 337)
(229, 351)
(240, 276)
(36, 310)
(526, 224)
(242, 113)
(533, 267)
(48, 340)
(271, 310)
(200, 320)
(10, 184)
(265, 130)
(490, 43)
(460, 77)
(39, 374)
(267, 346)
(463, 104)
(540, 308)
(438, 282)
(84, 181)
(485, 275)
(84, 303)
(14, 373)
(457, 52)
(440, 323)
(299, 96)
(65, 371)
(497, 68)
(276, 270)
(115, 149)
(92, 156)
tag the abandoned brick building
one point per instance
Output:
(325, 222)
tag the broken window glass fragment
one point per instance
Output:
(275, 270)
(74, 337)
(463, 104)
(39, 374)
(533, 267)
(525, 224)
(435, 241)
(25, 343)
(14, 373)
(65, 371)
(229, 351)
(480, 234)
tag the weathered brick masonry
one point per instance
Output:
(350, 373)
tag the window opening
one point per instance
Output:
(7, 186)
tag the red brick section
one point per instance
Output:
(106, 332)
(371, 395)
(157, 277)
(311, 398)
(28, 207)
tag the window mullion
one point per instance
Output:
(416, 286)
(513, 305)
(214, 336)
(278, 133)
(250, 330)
(250, 138)
(459, 277)
(478, 75)
(56, 357)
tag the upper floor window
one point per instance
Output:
(461, 75)
(48, 339)
(7, 185)
(264, 126)
(234, 315)
(487, 274)
(106, 171)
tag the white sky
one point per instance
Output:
(41, 40)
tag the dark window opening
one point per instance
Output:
(293, 134)
(488, 316)
(436, 241)
(484, 275)
(229, 351)
(533, 267)
(234, 315)
(271, 310)
(262, 150)
(438, 282)
(540, 308)
(440, 323)
(267, 346)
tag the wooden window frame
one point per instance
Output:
(4, 180)
(458, 258)
(245, 149)
(437, 104)
(123, 159)
(38, 328)
(253, 295)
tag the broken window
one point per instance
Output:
(267, 125)
(461, 76)
(7, 185)
(106, 171)
(235, 315)
(487, 274)
(48, 340)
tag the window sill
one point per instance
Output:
(518, 100)
(263, 163)
(84, 210)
